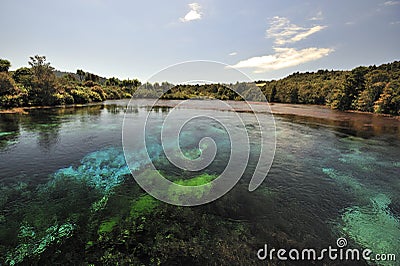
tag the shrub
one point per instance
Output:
(80, 96)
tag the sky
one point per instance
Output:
(263, 39)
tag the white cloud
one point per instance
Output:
(193, 14)
(319, 16)
(283, 58)
(395, 22)
(284, 32)
(391, 3)
(233, 53)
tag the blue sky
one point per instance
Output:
(264, 39)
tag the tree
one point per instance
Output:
(7, 85)
(81, 74)
(113, 82)
(23, 76)
(389, 101)
(44, 81)
(91, 77)
(40, 68)
(4, 65)
(272, 94)
(10, 94)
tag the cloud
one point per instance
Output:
(319, 16)
(193, 14)
(283, 58)
(233, 53)
(284, 32)
(391, 3)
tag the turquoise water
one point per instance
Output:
(67, 196)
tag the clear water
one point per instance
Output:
(67, 197)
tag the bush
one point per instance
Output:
(12, 100)
(80, 96)
(63, 98)
(94, 96)
(100, 91)
(7, 85)
(90, 83)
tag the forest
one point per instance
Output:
(367, 89)
(373, 89)
(41, 85)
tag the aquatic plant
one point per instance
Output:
(143, 206)
(102, 169)
(202, 181)
(372, 225)
(108, 225)
(34, 246)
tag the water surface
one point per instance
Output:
(67, 196)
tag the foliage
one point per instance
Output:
(23, 76)
(7, 85)
(40, 84)
(144, 205)
(4, 65)
(367, 89)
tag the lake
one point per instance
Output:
(67, 195)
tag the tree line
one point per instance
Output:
(41, 85)
(369, 89)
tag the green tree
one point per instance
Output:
(81, 74)
(389, 100)
(113, 82)
(272, 94)
(10, 94)
(23, 76)
(44, 81)
(7, 85)
(4, 65)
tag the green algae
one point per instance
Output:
(196, 187)
(108, 225)
(100, 204)
(6, 133)
(142, 206)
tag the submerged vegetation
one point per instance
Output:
(368, 89)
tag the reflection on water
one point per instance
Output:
(66, 195)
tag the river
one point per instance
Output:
(67, 195)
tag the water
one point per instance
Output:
(67, 196)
